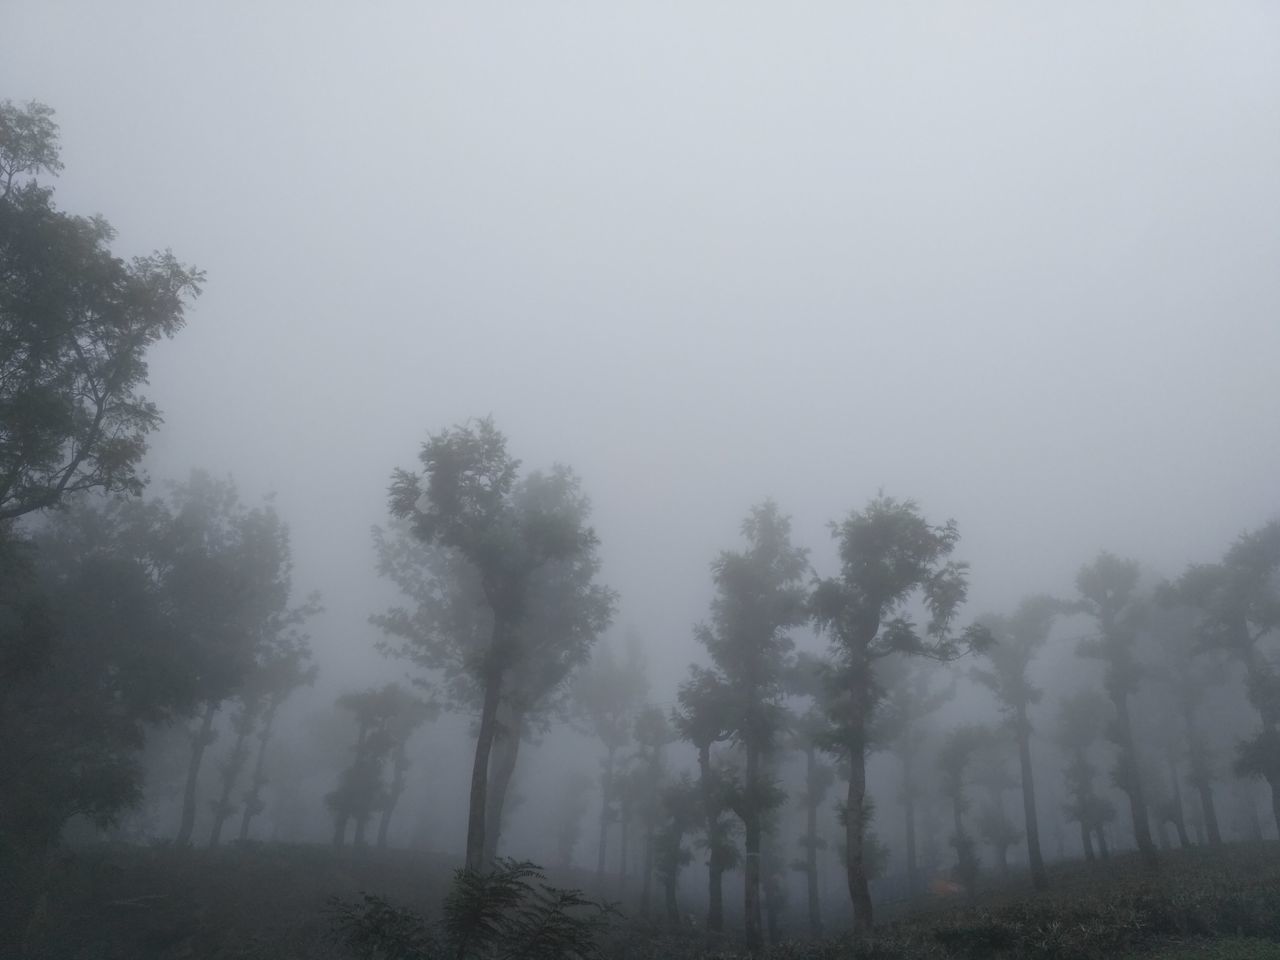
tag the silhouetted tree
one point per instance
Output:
(571, 810)
(704, 718)
(990, 773)
(889, 554)
(1080, 722)
(470, 500)
(1238, 602)
(759, 596)
(1108, 591)
(75, 325)
(1016, 639)
(810, 678)
(652, 733)
(954, 761)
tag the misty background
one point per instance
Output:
(1015, 262)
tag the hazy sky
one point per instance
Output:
(1018, 261)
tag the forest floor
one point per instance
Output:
(268, 901)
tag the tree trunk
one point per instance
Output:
(1209, 811)
(669, 895)
(646, 866)
(340, 828)
(1031, 819)
(855, 807)
(504, 768)
(253, 799)
(1086, 841)
(606, 800)
(1179, 818)
(231, 773)
(400, 763)
(811, 839)
(751, 862)
(201, 740)
(715, 868)
(1133, 783)
(1103, 848)
(477, 807)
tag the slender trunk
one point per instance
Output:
(715, 867)
(772, 912)
(646, 866)
(253, 799)
(1179, 818)
(811, 839)
(1274, 783)
(484, 744)
(1103, 848)
(201, 740)
(1133, 783)
(1209, 811)
(855, 810)
(1200, 777)
(400, 764)
(340, 828)
(1162, 831)
(1031, 819)
(362, 822)
(751, 862)
(606, 800)
(669, 895)
(230, 774)
(1086, 841)
(504, 768)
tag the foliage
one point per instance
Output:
(75, 326)
(509, 912)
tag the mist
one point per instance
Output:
(1009, 266)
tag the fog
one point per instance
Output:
(1015, 262)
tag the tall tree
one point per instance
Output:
(470, 499)
(889, 555)
(910, 696)
(652, 734)
(1016, 639)
(954, 762)
(759, 596)
(1238, 602)
(1108, 592)
(607, 695)
(75, 326)
(679, 814)
(1080, 722)
(810, 678)
(704, 718)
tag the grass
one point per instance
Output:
(271, 902)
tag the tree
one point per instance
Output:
(1080, 722)
(990, 773)
(704, 718)
(1108, 591)
(759, 596)
(652, 734)
(469, 500)
(571, 811)
(1016, 639)
(73, 716)
(1238, 606)
(679, 815)
(954, 760)
(75, 326)
(889, 554)
(810, 677)
(607, 694)
(909, 698)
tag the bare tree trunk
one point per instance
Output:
(230, 774)
(1102, 842)
(646, 866)
(253, 799)
(504, 768)
(1030, 818)
(201, 740)
(606, 801)
(484, 744)
(340, 828)
(1179, 818)
(855, 813)
(751, 864)
(1133, 783)
(1209, 811)
(811, 839)
(669, 895)
(399, 764)
(1086, 841)
(715, 866)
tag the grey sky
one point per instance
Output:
(1018, 261)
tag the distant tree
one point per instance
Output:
(1238, 605)
(90, 662)
(954, 762)
(226, 573)
(1016, 639)
(1080, 723)
(1108, 592)
(471, 500)
(889, 555)
(810, 678)
(759, 596)
(704, 718)
(75, 326)
(909, 698)
(990, 774)
(571, 811)
(652, 734)
(679, 814)
(607, 695)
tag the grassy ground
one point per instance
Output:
(271, 902)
